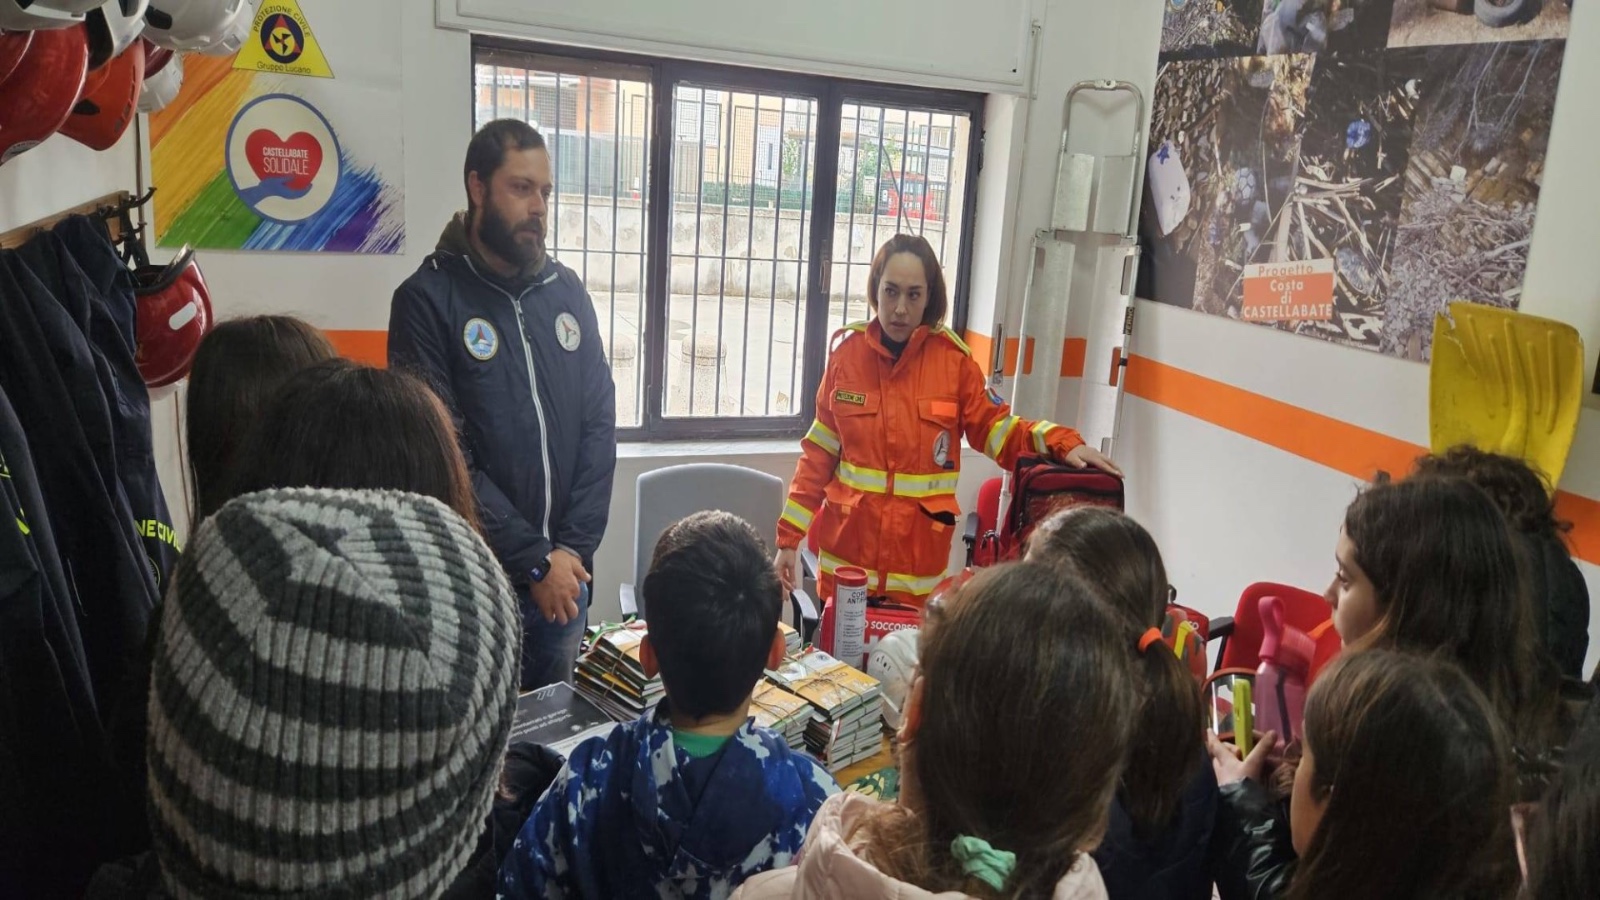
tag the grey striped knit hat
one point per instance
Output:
(331, 694)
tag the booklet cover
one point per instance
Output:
(558, 717)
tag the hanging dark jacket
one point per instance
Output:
(53, 766)
(50, 377)
(49, 372)
(520, 365)
(110, 329)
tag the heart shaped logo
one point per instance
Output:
(293, 162)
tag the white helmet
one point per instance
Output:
(162, 87)
(893, 662)
(213, 27)
(42, 15)
(113, 28)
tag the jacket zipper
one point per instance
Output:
(533, 388)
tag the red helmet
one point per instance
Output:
(40, 93)
(13, 46)
(110, 101)
(174, 313)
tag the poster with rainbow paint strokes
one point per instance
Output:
(251, 156)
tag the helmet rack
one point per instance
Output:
(116, 209)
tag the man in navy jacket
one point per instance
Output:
(509, 339)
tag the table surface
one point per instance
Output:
(857, 771)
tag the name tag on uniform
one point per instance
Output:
(850, 397)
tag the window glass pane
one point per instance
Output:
(740, 225)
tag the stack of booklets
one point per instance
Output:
(612, 676)
(844, 724)
(558, 717)
(782, 711)
(791, 640)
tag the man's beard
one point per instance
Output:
(500, 237)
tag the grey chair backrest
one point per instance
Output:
(666, 495)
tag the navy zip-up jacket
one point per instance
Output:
(523, 372)
(79, 262)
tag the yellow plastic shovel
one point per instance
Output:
(1505, 382)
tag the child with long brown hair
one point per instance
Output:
(239, 365)
(1428, 565)
(1159, 841)
(1014, 732)
(1403, 791)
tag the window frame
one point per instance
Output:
(831, 95)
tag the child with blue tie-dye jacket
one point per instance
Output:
(693, 798)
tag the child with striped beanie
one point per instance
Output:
(332, 690)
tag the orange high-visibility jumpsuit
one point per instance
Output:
(876, 482)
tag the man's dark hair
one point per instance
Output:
(487, 151)
(713, 599)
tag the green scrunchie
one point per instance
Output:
(983, 862)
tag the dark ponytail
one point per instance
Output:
(1118, 559)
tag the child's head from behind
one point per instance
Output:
(237, 368)
(713, 602)
(1428, 565)
(1520, 492)
(312, 668)
(1404, 787)
(1119, 561)
(1014, 734)
(339, 424)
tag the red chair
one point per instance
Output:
(1240, 646)
(982, 536)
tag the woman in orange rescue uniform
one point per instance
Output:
(877, 473)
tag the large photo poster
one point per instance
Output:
(292, 145)
(1343, 169)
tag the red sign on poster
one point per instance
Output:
(1291, 291)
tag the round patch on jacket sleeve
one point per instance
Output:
(482, 341)
(567, 331)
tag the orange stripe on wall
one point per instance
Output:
(1584, 514)
(1072, 354)
(1322, 439)
(371, 347)
(1347, 448)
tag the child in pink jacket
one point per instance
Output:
(1010, 747)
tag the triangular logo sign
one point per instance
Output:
(282, 43)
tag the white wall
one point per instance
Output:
(62, 173)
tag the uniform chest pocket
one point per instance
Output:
(857, 414)
(940, 419)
